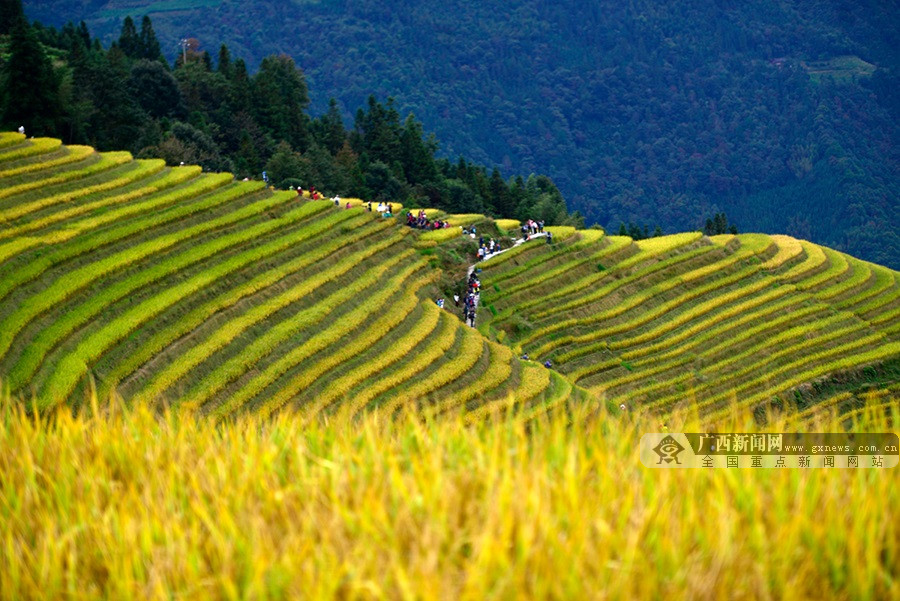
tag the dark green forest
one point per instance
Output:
(212, 112)
(782, 114)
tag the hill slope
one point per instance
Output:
(685, 319)
(168, 283)
(659, 113)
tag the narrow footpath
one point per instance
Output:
(476, 298)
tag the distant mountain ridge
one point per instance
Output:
(782, 114)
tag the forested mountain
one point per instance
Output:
(782, 114)
(62, 82)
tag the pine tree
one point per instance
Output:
(417, 158)
(331, 132)
(720, 223)
(499, 196)
(156, 90)
(129, 41)
(30, 86)
(224, 66)
(280, 99)
(378, 132)
(149, 44)
(84, 34)
(80, 107)
(11, 14)
(241, 98)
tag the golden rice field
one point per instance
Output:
(140, 505)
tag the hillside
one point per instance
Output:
(694, 321)
(166, 283)
(648, 112)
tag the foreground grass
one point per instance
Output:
(137, 505)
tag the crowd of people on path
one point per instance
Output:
(488, 247)
(422, 222)
(313, 193)
(385, 209)
(531, 227)
(470, 302)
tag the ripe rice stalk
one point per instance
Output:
(499, 370)
(108, 160)
(86, 244)
(33, 355)
(853, 360)
(536, 279)
(173, 178)
(437, 345)
(883, 280)
(452, 368)
(418, 335)
(838, 266)
(76, 280)
(534, 380)
(788, 248)
(266, 343)
(464, 219)
(73, 154)
(861, 274)
(192, 320)
(496, 275)
(441, 235)
(635, 301)
(707, 323)
(748, 326)
(803, 349)
(815, 258)
(11, 138)
(257, 314)
(33, 147)
(507, 225)
(616, 284)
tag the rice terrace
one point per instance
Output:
(168, 285)
(272, 403)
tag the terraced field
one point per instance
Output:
(165, 284)
(712, 323)
(171, 285)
